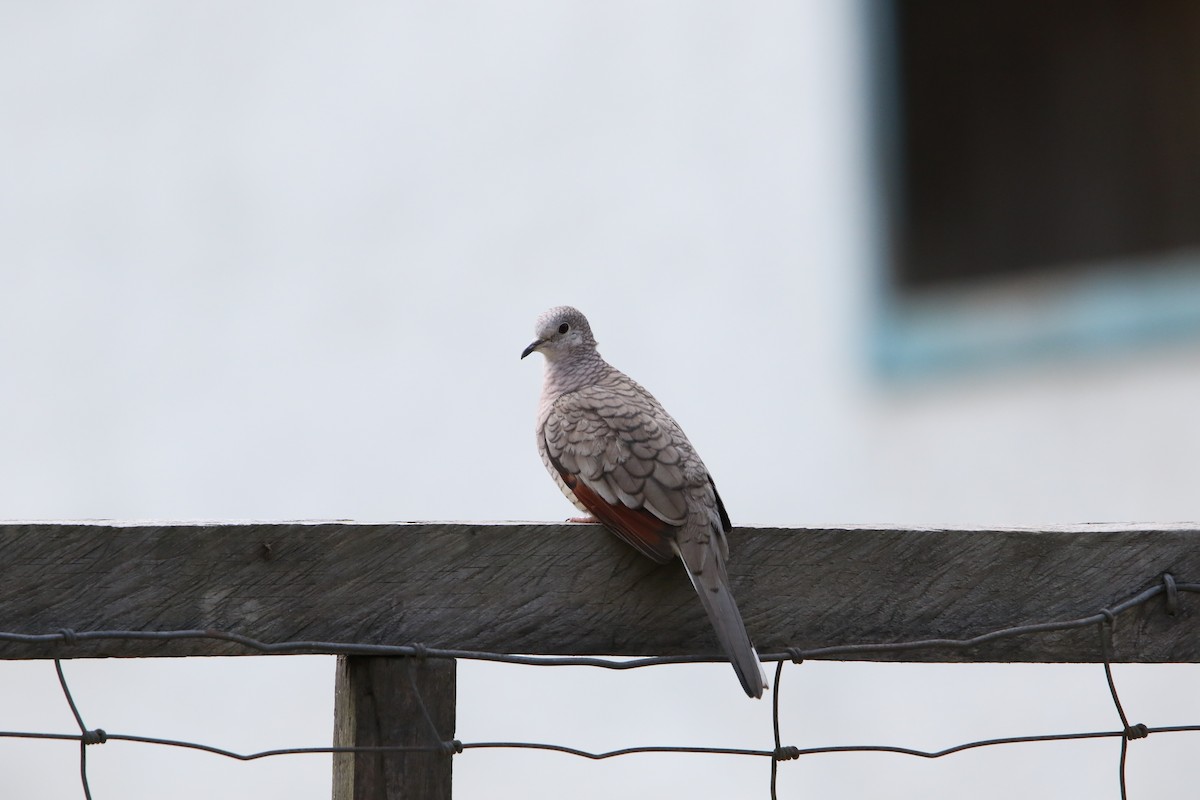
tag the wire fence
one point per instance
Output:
(1104, 620)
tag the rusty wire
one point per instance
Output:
(1104, 619)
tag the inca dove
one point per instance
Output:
(618, 455)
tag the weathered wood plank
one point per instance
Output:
(573, 589)
(383, 702)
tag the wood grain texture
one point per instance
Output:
(383, 702)
(574, 589)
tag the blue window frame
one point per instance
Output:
(1040, 174)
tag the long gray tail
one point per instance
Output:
(706, 569)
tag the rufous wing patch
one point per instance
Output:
(636, 526)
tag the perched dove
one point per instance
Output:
(619, 456)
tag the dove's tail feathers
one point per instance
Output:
(712, 586)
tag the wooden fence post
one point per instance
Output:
(382, 701)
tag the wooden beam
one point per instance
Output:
(383, 702)
(574, 589)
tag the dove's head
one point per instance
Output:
(561, 332)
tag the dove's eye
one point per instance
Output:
(564, 328)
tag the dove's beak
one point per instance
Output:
(534, 345)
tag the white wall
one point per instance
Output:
(277, 262)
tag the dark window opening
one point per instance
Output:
(1040, 135)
